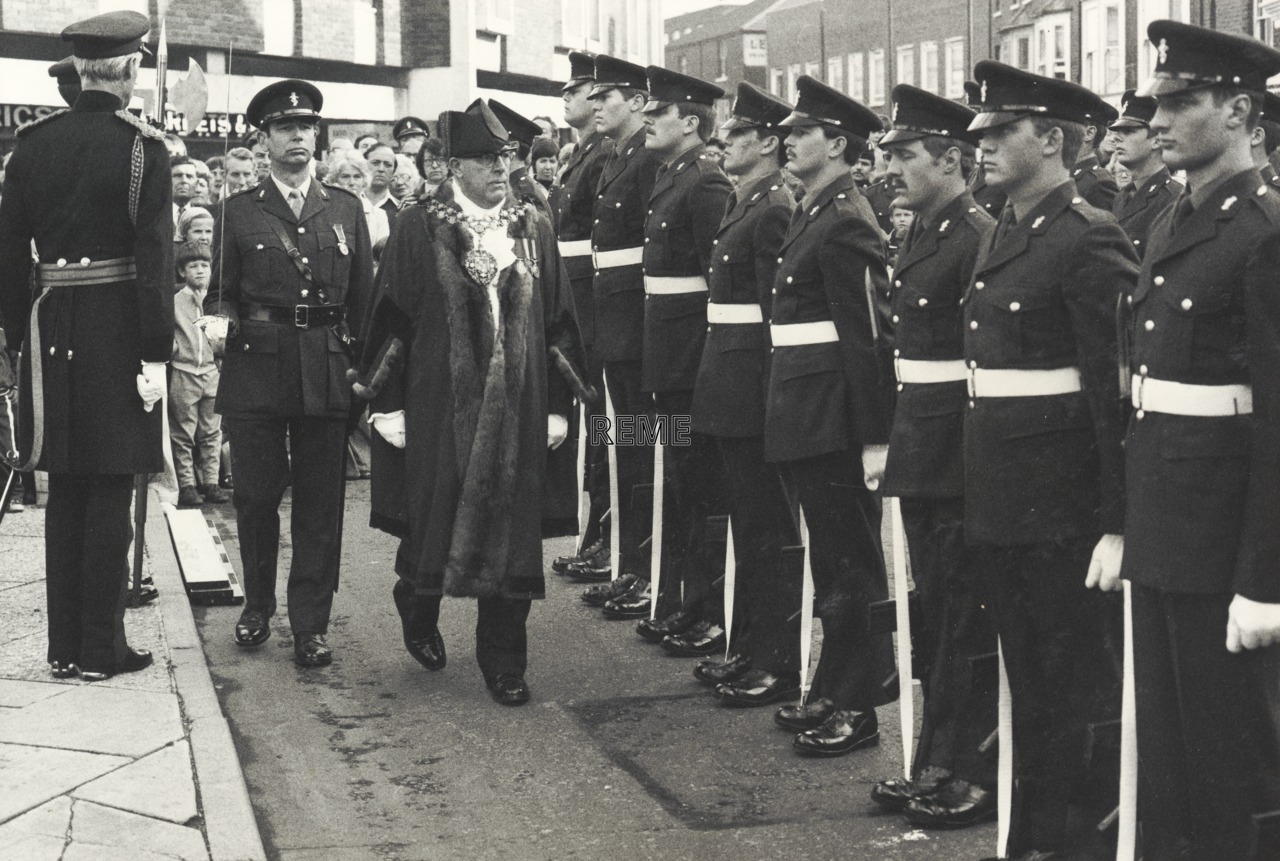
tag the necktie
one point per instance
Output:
(1008, 221)
(295, 202)
(1126, 196)
(1182, 211)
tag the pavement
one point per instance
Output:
(139, 767)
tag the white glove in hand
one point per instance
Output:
(1252, 624)
(151, 384)
(1104, 567)
(557, 430)
(390, 426)
(873, 460)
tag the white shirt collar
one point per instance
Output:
(470, 208)
(285, 189)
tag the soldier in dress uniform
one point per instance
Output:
(90, 187)
(930, 150)
(1202, 455)
(1266, 139)
(410, 134)
(1093, 181)
(880, 195)
(293, 277)
(523, 132)
(1152, 188)
(729, 404)
(64, 72)
(574, 204)
(1044, 500)
(828, 412)
(990, 199)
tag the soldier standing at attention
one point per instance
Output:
(1152, 188)
(293, 278)
(1266, 138)
(1093, 181)
(1044, 496)
(1201, 548)
(90, 186)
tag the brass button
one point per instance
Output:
(62, 261)
(246, 348)
(302, 230)
(973, 324)
(1186, 304)
(1142, 370)
(979, 285)
(84, 261)
(1015, 306)
(1140, 415)
(900, 386)
(304, 293)
(897, 352)
(973, 363)
(1150, 325)
(895, 318)
(923, 302)
(1158, 280)
(789, 279)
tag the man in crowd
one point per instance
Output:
(1152, 188)
(382, 169)
(240, 173)
(410, 134)
(183, 172)
(257, 144)
(1093, 181)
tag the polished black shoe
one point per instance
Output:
(802, 716)
(720, 672)
(310, 650)
(63, 669)
(509, 690)
(959, 804)
(146, 594)
(896, 793)
(134, 660)
(428, 650)
(561, 564)
(632, 605)
(593, 569)
(253, 629)
(597, 595)
(699, 641)
(759, 688)
(421, 640)
(843, 732)
(677, 623)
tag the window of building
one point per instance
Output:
(778, 83)
(593, 11)
(570, 21)
(813, 70)
(794, 71)
(364, 32)
(1051, 37)
(997, 52)
(1266, 17)
(722, 59)
(1102, 47)
(857, 79)
(875, 77)
(835, 73)
(277, 28)
(905, 67)
(929, 66)
(488, 51)
(953, 58)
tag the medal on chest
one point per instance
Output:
(342, 239)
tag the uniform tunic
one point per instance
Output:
(1136, 208)
(1095, 183)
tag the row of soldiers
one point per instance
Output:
(1037, 394)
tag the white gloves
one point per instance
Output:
(873, 461)
(1104, 567)
(557, 430)
(215, 329)
(390, 426)
(151, 384)
(1252, 624)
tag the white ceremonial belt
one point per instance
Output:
(617, 257)
(658, 285)
(1022, 383)
(1187, 399)
(800, 334)
(720, 313)
(935, 371)
(575, 248)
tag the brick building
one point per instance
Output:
(723, 44)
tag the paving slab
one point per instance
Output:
(22, 610)
(15, 693)
(30, 776)
(34, 848)
(50, 819)
(159, 785)
(104, 829)
(98, 719)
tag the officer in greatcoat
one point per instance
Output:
(293, 277)
(90, 187)
(1151, 188)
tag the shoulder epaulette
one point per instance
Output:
(39, 121)
(144, 128)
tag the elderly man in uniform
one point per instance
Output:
(1202, 550)
(930, 152)
(1152, 188)
(1093, 181)
(293, 276)
(410, 133)
(828, 412)
(90, 187)
(474, 361)
(1044, 500)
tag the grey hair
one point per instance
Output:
(350, 158)
(107, 70)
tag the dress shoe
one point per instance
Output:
(421, 640)
(759, 688)
(959, 804)
(633, 605)
(214, 494)
(310, 650)
(15, 504)
(699, 641)
(719, 672)
(146, 594)
(843, 732)
(253, 629)
(509, 690)
(896, 793)
(677, 623)
(134, 660)
(597, 595)
(804, 716)
(63, 669)
(560, 565)
(596, 568)
(189, 497)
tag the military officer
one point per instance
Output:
(1044, 501)
(990, 199)
(90, 188)
(410, 134)
(522, 132)
(828, 411)
(880, 195)
(729, 404)
(1266, 138)
(1203, 461)
(930, 151)
(574, 203)
(1093, 181)
(293, 277)
(1152, 188)
(64, 72)
(685, 208)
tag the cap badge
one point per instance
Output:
(293, 99)
(982, 94)
(896, 106)
(1162, 50)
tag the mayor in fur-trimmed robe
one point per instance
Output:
(465, 492)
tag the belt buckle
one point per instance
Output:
(1137, 393)
(302, 316)
(971, 381)
(595, 261)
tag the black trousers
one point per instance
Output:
(1206, 746)
(959, 695)
(595, 479)
(848, 575)
(313, 465)
(1061, 678)
(767, 605)
(86, 553)
(502, 644)
(635, 464)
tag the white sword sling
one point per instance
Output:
(1126, 843)
(1004, 766)
(730, 583)
(655, 544)
(906, 698)
(615, 510)
(806, 611)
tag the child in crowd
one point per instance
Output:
(901, 219)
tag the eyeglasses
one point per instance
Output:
(434, 162)
(490, 160)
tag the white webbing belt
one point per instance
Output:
(1022, 383)
(800, 334)
(575, 248)
(936, 371)
(665, 286)
(722, 314)
(1187, 399)
(617, 257)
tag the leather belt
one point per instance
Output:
(657, 285)
(575, 248)
(617, 257)
(1187, 399)
(917, 371)
(1022, 382)
(722, 314)
(88, 272)
(302, 316)
(800, 334)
